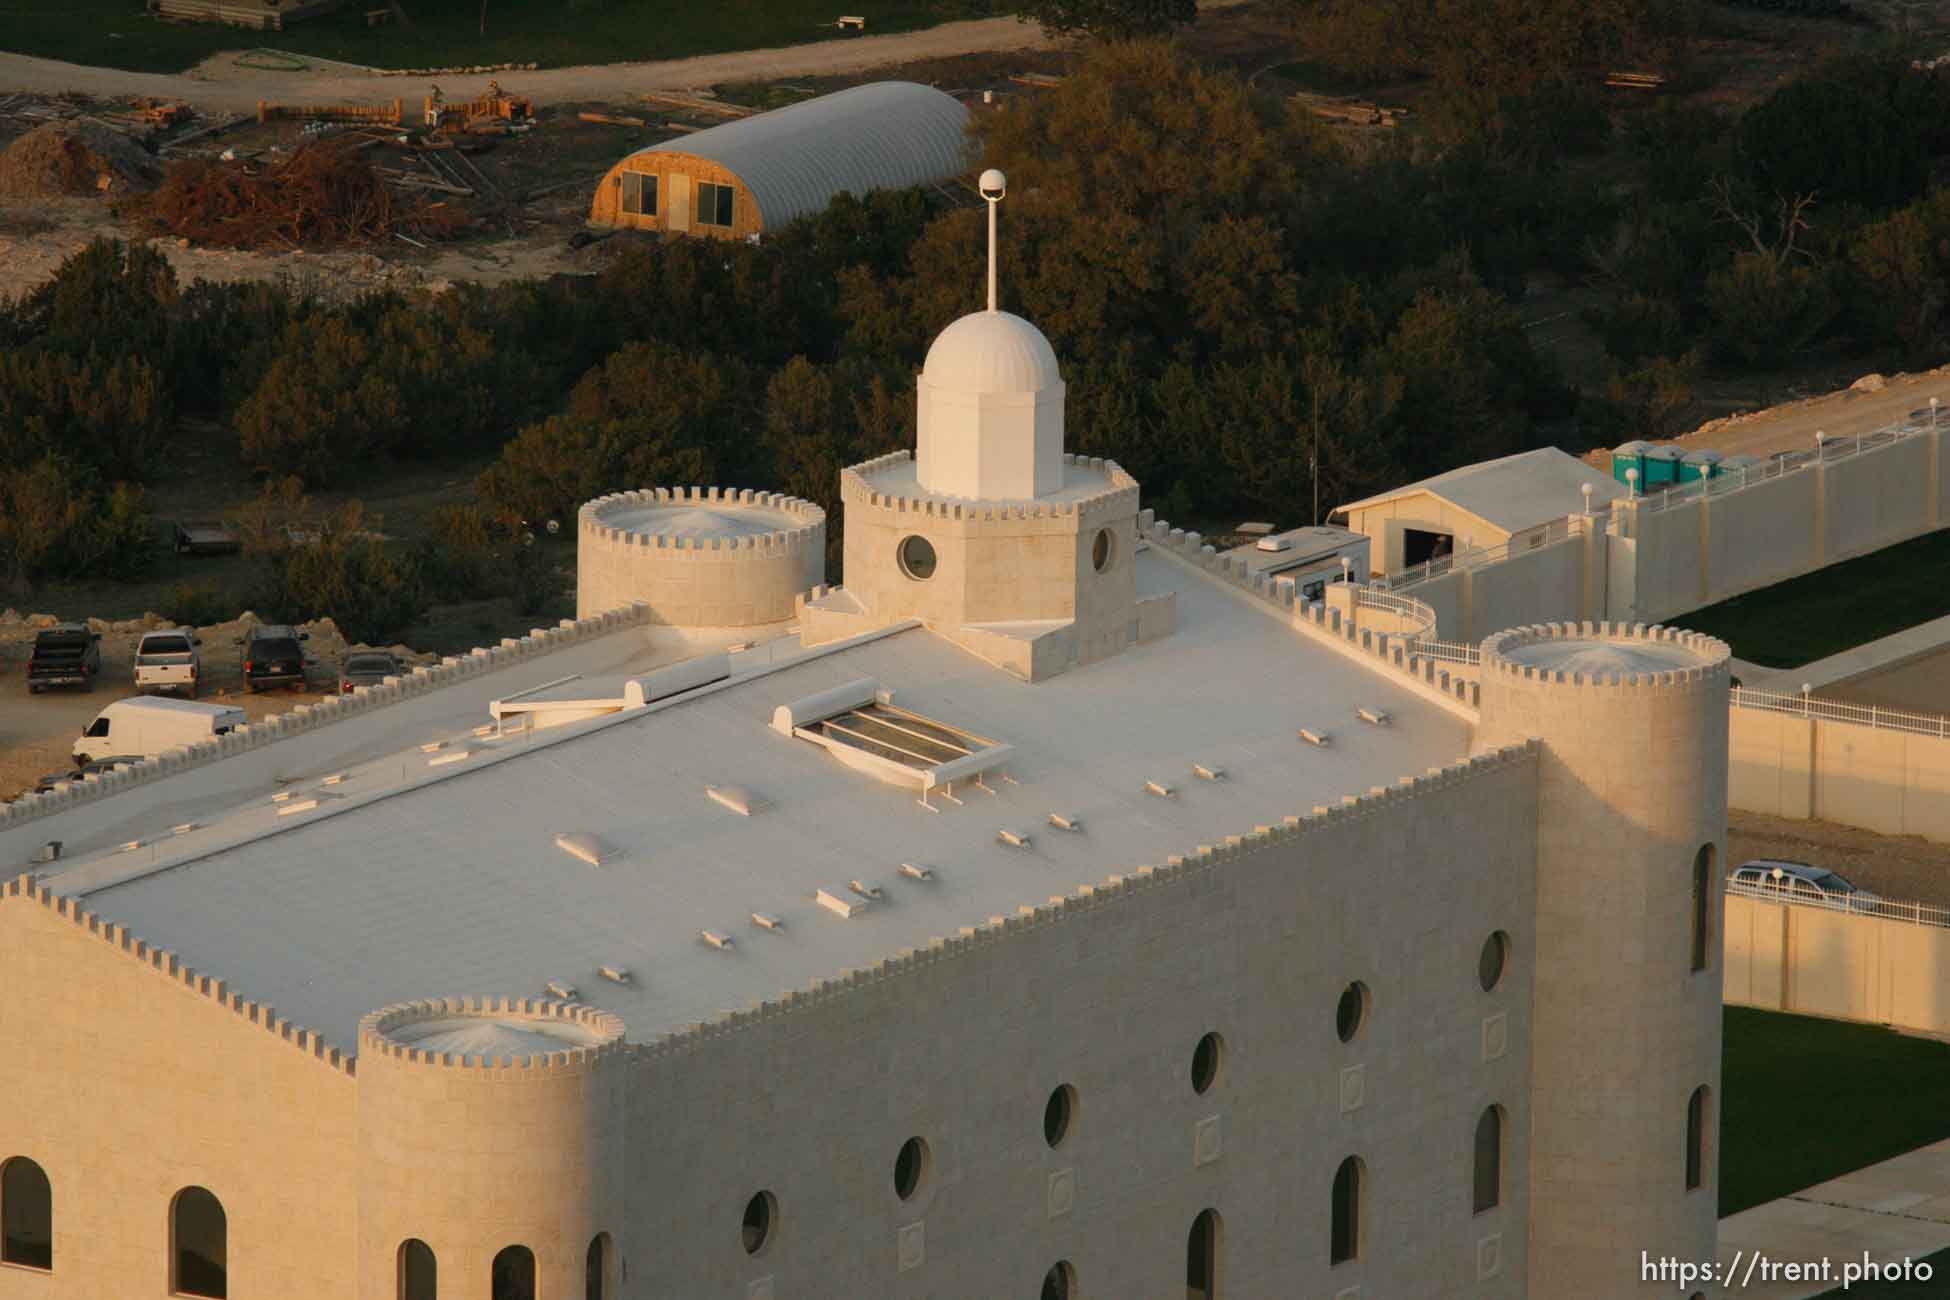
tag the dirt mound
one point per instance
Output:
(75, 158)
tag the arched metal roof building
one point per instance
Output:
(759, 173)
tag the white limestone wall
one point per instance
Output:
(473, 1154)
(962, 1041)
(733, 581)
(1632, 782)
(1893, 782)
(1873, 969)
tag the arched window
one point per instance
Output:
(599, 1272)
(513, 1275)
(419, 1272)
(1202, 1265)
(199, 1245)
(1344, 1236)
(1206, 1057)
(1060, 1283)
(1489, 1159)
(1705, 878)
(1698, 1117)
(26, 1215)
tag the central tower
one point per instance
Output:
(989, 532)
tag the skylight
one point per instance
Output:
(860, 725)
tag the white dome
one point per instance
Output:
(991, 352)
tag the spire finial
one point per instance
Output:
(993, 186)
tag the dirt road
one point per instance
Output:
(1792, 426)
(218, 85)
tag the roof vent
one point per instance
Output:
(182, 828)
(48, 852)
(1159, 788)
(1274, 544)
(433, 746)
(1064, 823)
(615, 974)
(839, 903)
(129, 847)
(740, 799)
(914, 871)
(1205, 773)
(716, 939)
(284, 796)
(1320, 738)
(336, 778)
(567, 992)
(456, 756)
(766, 921)
(1014, 839)
(675, 680)
(1373, 717)
(579, 844)
(866, 888)
(303, 805)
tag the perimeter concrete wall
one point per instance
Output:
(1664, 557)
(1878, 970)
(1894, 782)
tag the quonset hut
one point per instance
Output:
(751, 176)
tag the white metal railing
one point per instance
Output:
(1418, 618)
(1861, 715)
(1828, 450)
(1854, 904)
(1450, 651)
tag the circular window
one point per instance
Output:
(1489, 966)
(1102, 550)
(1060, 1283)
(910, 1167)
(917, 557)
(1062, 1108)
(1205, 1062)
(1351, 1010)
(761, 1215)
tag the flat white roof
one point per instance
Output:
(456, 886)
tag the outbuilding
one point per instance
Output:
(757, 174)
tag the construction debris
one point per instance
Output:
(612, 119)
(75, 158)
(324, 196)
(1635, 80)
(388, 114)
(470, 114)
(1354, 112)
(695, 103)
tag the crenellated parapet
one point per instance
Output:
(1636, 655)
(26, 889)
(588, 1036)
(699, 556)
(865, 491)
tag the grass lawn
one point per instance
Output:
(446, 33)
(1876, 1094)
(1834, 609)
(1939, 1284)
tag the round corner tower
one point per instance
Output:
(486, 1123)
(699, 557)
(1631, 829)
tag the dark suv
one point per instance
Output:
(273, 657)
(67, 654)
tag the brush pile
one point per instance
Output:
(75, 158)
(323, 196)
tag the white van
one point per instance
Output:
(146, 725)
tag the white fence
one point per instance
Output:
(1854, 904)
(1862, 715)
(1417, 620)
(1478, 557)
(1829, 450)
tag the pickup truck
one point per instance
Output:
(67, 654)
(168, 661)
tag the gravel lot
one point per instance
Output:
(1905, 868)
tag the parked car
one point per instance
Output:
(1802, 881)
(168, 661)
(145, 725)
(55, 780)
(67, 654)
(273, 656)
(366, 668)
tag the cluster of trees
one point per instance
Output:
(1228, 285)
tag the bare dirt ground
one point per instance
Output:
(38, 731)
(219, 85)
(1906, 868)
